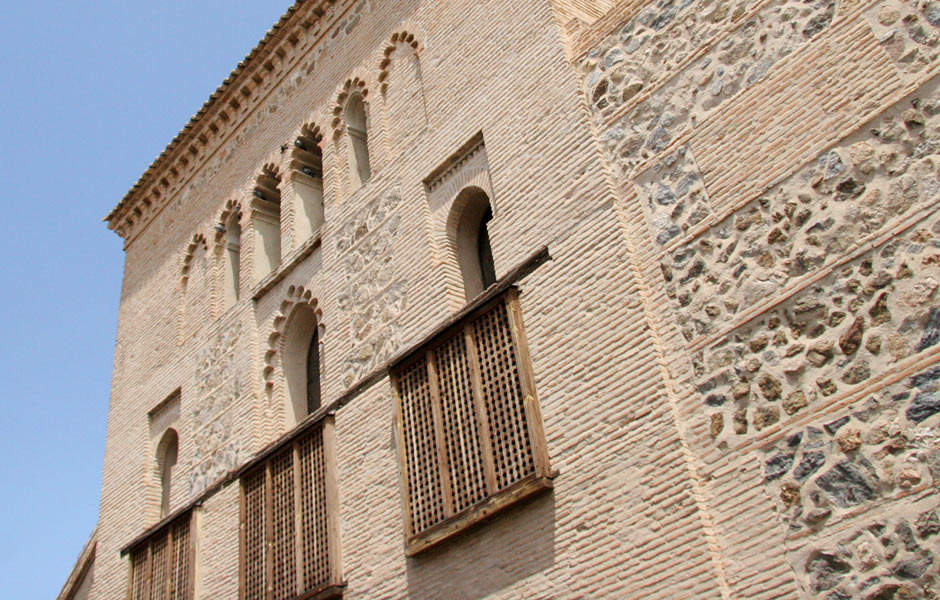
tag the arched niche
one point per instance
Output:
(167, 457)
(301, 363)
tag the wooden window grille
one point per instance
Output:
(470, 433)
(289, 524)
(162, 565)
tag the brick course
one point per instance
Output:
(679, 461)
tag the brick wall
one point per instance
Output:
(732, 343)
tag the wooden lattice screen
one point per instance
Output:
(162, 565)
(289, 529)
(471, 437)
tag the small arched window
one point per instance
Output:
(356, 128)
(301, 362)
(167, 455)
(232, 256)
(474, 253)
(266, 218)
(307, 183)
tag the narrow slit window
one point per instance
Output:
(356, 128)
(307, 183)
(232, 256)
(266, 217)
(313, 374)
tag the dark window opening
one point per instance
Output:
(313, 374)
(485, 252)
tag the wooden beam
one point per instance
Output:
(533, 414)
(479, 409)
(440, 436)
(478, 513)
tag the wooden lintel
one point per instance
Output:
(478, 513)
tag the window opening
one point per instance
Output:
(289, 533)
(162, 565)
(233, 244)
(266, 213)
(167, 457)
(471, 439)
(301, 361)
(356, 127)
(313, 374)
(474, 252)
(307, 183)
(485, 252)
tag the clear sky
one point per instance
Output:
(90, 94)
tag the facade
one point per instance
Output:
(538, 299)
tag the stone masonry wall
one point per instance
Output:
(778, 173)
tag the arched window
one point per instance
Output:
(474, 254)
(359, 170)
(307, 183)
(301, 362)
(232, 256)
(266, 218)
(167, 454)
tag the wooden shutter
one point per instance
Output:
(423, 470)
(289, 540)
(158, 575)
(253, 535)
(181, 576)
(283, 543)
(315, 530)
(140, 571)
(502, 394)
(460, 421)
(470, 430)
(161, 566)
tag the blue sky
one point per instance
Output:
(91, 93)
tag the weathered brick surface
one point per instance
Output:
(734, 344)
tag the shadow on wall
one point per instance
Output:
(490, 557)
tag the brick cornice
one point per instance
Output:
(297, 31)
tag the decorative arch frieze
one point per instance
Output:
(398, 40)
(356, 83)
(296, 296)
(198, 240)
(231, 209)
(309, 132)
